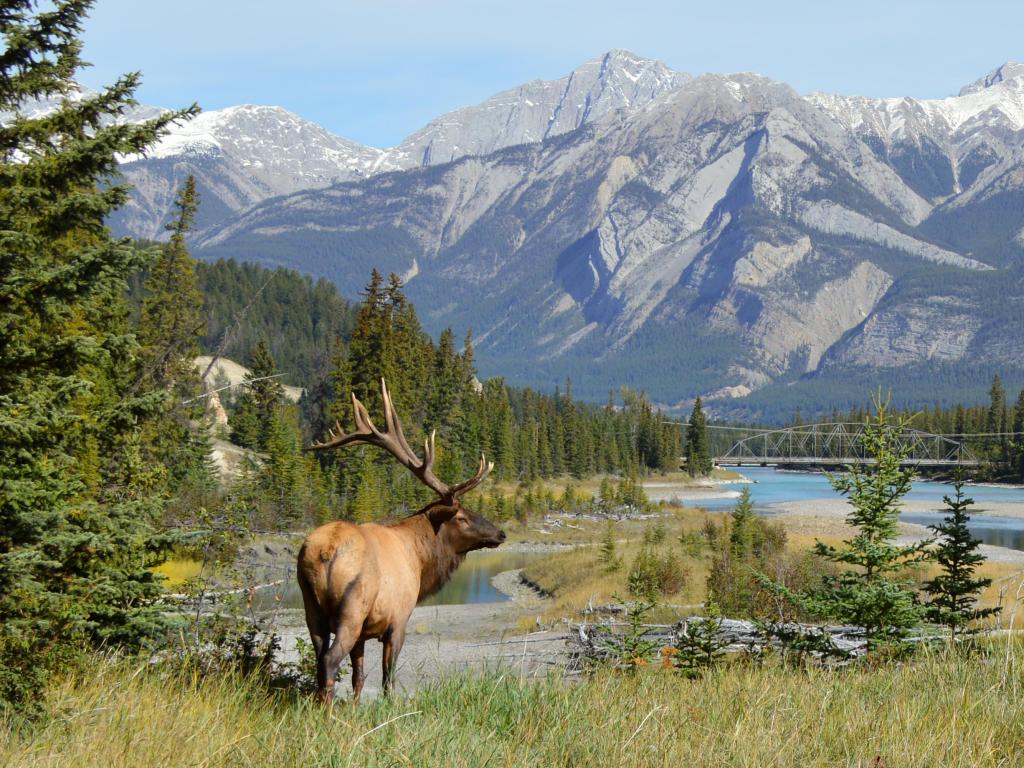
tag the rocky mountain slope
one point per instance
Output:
(240, 156)
(243, 155)
(715, 235)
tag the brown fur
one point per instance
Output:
(361, 582)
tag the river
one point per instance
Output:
(771, 489)
(471, 583)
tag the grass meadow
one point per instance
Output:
(939, 710)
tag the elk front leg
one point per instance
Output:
(393, 641)
(356, 657)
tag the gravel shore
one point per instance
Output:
(827, 517)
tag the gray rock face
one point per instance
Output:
(1007, 71)
(618, 80)
(240, 156)
(244, 155)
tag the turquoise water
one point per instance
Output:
(772, 486)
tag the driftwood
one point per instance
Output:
(602, 642)
(215, 595)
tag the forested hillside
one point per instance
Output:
(299, 318)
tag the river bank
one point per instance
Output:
(442, 640)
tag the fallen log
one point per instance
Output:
(603, 642)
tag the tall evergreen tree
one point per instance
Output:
(742, 532)
(871, 593)
(371, 340)
(1018, 435)
(954, 592)
(170, 327)
(698, 450)
(996, 414)
(261, 396)
(172, 311)
(77, 511)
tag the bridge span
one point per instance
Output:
(837, 444)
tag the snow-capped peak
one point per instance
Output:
(996, 99)
(1009, 71)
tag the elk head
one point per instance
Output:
(463, 529)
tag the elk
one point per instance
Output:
(361, 582)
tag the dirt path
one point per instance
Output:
(448, 638)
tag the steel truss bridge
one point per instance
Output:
(841, 444)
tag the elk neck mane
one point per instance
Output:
(438, 560)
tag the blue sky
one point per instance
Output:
(376, 70)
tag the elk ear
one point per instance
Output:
(440, 513)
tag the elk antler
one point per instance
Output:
(393, 440)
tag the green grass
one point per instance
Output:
(940, 710)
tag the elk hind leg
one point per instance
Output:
(358, 678)
(319, 631)
(394, 639)
(347, 630)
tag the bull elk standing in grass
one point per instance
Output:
(361, 582)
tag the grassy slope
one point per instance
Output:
(939, 710)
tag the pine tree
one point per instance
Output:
(996, 414)
(698, 451)
(954, 592)
(607, 556)
(172, 312)
(367, 351)
(1018, 437)
(170, 327)
(742, 533)
(502, 428)
(699, 645)
(368, 501)
(77, 511)
(871, 595)
(260, 397)
(607, 496)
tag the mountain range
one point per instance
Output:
(720, 235)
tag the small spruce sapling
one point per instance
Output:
(610, 561)
(954, 592)
(699, 644)
(642, 580)
(632, 649)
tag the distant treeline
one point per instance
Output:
(914, 388)
(992, 432)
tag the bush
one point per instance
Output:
(672, 575)
(698, 647)
(734, 570)
(653, 574)
(642, 580)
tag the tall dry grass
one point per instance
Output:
(940, 710)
